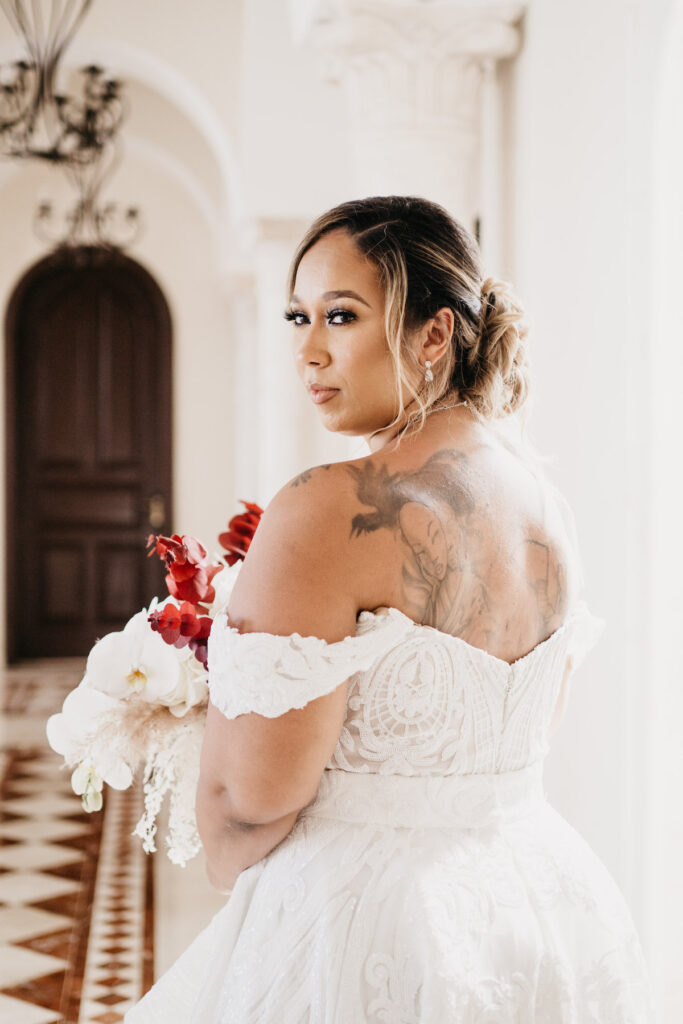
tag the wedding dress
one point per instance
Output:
(429, 881)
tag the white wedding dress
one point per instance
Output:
(430, 880)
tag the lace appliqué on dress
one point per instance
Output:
(270, 674)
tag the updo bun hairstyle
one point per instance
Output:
(427, 260)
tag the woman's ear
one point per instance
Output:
(436, 334)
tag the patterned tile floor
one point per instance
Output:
(76, 924)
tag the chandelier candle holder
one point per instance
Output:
(89, 222)
(78, 133)
(36, 121)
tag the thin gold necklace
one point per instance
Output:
(435, 408)
(439, 408)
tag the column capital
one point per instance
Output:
(414, 78)
(356, 30)
(412, 65)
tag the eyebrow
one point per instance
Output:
(337, 295)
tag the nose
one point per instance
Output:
(310, 346)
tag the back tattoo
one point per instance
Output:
(449, 540)
(446, 534)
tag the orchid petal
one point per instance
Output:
(92, 800)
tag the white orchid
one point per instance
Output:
(134, 661)
(87, 784)
(73, 733)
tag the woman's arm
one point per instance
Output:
(251, 787)
(258, 773)
(231, 846)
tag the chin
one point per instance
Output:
(341, 428)
(336, 422)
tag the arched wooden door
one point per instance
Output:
(89, 449)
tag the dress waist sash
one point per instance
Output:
(424, 801)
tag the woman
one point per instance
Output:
(394, 658)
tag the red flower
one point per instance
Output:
(199, 642)
(189, 577)
(182, 626)
(240, 532)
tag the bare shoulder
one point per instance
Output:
(319, 498)
(299, 573)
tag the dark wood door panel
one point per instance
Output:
(76, 504)
(89, 443)
(119, 585)
(61, 582)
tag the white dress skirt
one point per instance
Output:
(430, 881)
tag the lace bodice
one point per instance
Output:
(420, 701)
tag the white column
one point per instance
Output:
(243, 416)
(659, 709)
(279, 394)
(492, 194)
(414, 75)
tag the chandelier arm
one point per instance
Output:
(55, 30)
(69, 33)
(54, 21)
(25, 27)
(38, 26)
(12, 16)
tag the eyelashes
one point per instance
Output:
(330, 314)
(291, 314)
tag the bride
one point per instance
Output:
(394, 658)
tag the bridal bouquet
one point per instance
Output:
(142, 701)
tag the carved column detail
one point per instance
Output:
(414, 76)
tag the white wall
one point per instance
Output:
(582, 203)
(293, 126)
(665, 821)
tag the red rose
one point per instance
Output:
(189, 576)
(240, 532)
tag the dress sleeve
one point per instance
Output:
(272, 674)
(585, 633)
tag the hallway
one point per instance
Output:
(76, 915)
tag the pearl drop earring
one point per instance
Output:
(429, 376)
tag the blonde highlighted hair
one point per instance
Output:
(426, 261)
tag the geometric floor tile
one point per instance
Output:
(41, 805)
(18, 965)
(20, 923)
(52, 769)
(37, 856)
(27, 694)
(121, 922)
(29, 786)
(21, 887)
(15, 1011)
(42, 829)
(76, 924)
